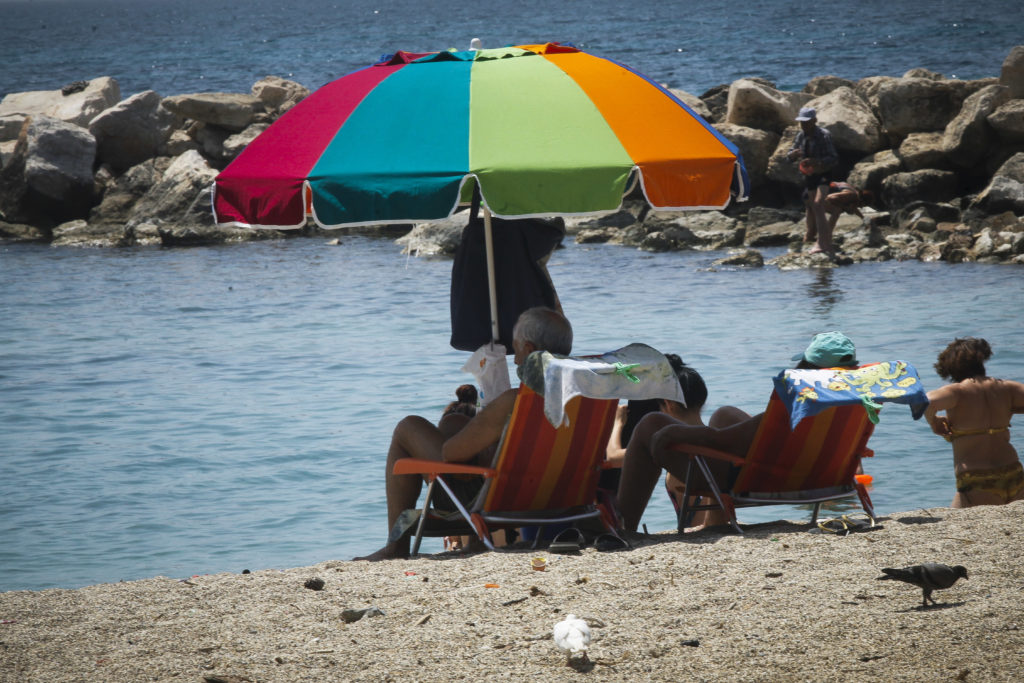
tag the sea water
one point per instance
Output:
(184, 46)
(183, 411)
(173, 412)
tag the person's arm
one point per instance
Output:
(1016, 396)
(795, 150)
(482, 431)
(614, 452)
(942, 399)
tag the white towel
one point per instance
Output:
(636, 371)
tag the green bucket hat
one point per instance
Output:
(828, 350)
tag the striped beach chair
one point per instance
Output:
(814, 462)
(540, 475)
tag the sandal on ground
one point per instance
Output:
(609, 543)
(567, 542)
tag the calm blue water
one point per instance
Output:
(181, 46)
(177, 412)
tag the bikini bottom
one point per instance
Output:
(1004, 482)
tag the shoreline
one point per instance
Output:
(777, 603)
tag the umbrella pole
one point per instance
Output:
(492, 288)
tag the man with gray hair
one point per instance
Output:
(458, 438)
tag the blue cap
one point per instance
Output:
(829, 350)
(807, 114)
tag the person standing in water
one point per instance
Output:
(977, 416)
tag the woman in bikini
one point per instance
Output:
(977, 416)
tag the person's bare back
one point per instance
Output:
(976, 420)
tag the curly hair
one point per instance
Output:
(963, 358)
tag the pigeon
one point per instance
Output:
(929, 576)
(573, 636)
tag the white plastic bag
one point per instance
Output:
(489, 367)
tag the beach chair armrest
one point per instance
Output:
(691, 449)
(428, 467)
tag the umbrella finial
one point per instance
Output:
(476, 44)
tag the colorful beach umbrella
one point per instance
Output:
(541, 130)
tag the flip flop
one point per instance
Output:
(567, 542)
(610, 543)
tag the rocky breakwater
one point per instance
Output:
(82, 167)
(943, 157)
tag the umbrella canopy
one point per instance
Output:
(542, 129)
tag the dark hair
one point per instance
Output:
(466, 403)
(963, 358)
(695, 391)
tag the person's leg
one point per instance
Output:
(821, 221)
(721, 418)
(811, 233)
(414, 437)
(639, 472)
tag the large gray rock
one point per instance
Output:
(1013, 168)
(922, 150)
(849, 119)
(822, 85)
(234, 144)
(120, 198)
(1012, 73)
(48, 178)
(278, 95)
(439, 238)
(968, 136)
(868, 173)
(82, 102)
(1001, 194)
(181, 197)
(10, 126)
(929, 185)
(717, 101)
(774, 234)
(79, 233)
(756, 105)
(1008, 121)
(132, 130)
(231, 111)
(780, 168)
(868, 89)
(920, 72)
(755, 145)
(915, 105)
(693, 102)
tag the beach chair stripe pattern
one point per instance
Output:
(782, 460)
(535, 455)
(814, 462)
(541, 475)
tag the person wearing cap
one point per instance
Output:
(817, 155)
(649, 450)
(828, 350)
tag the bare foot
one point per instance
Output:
(388, 552)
